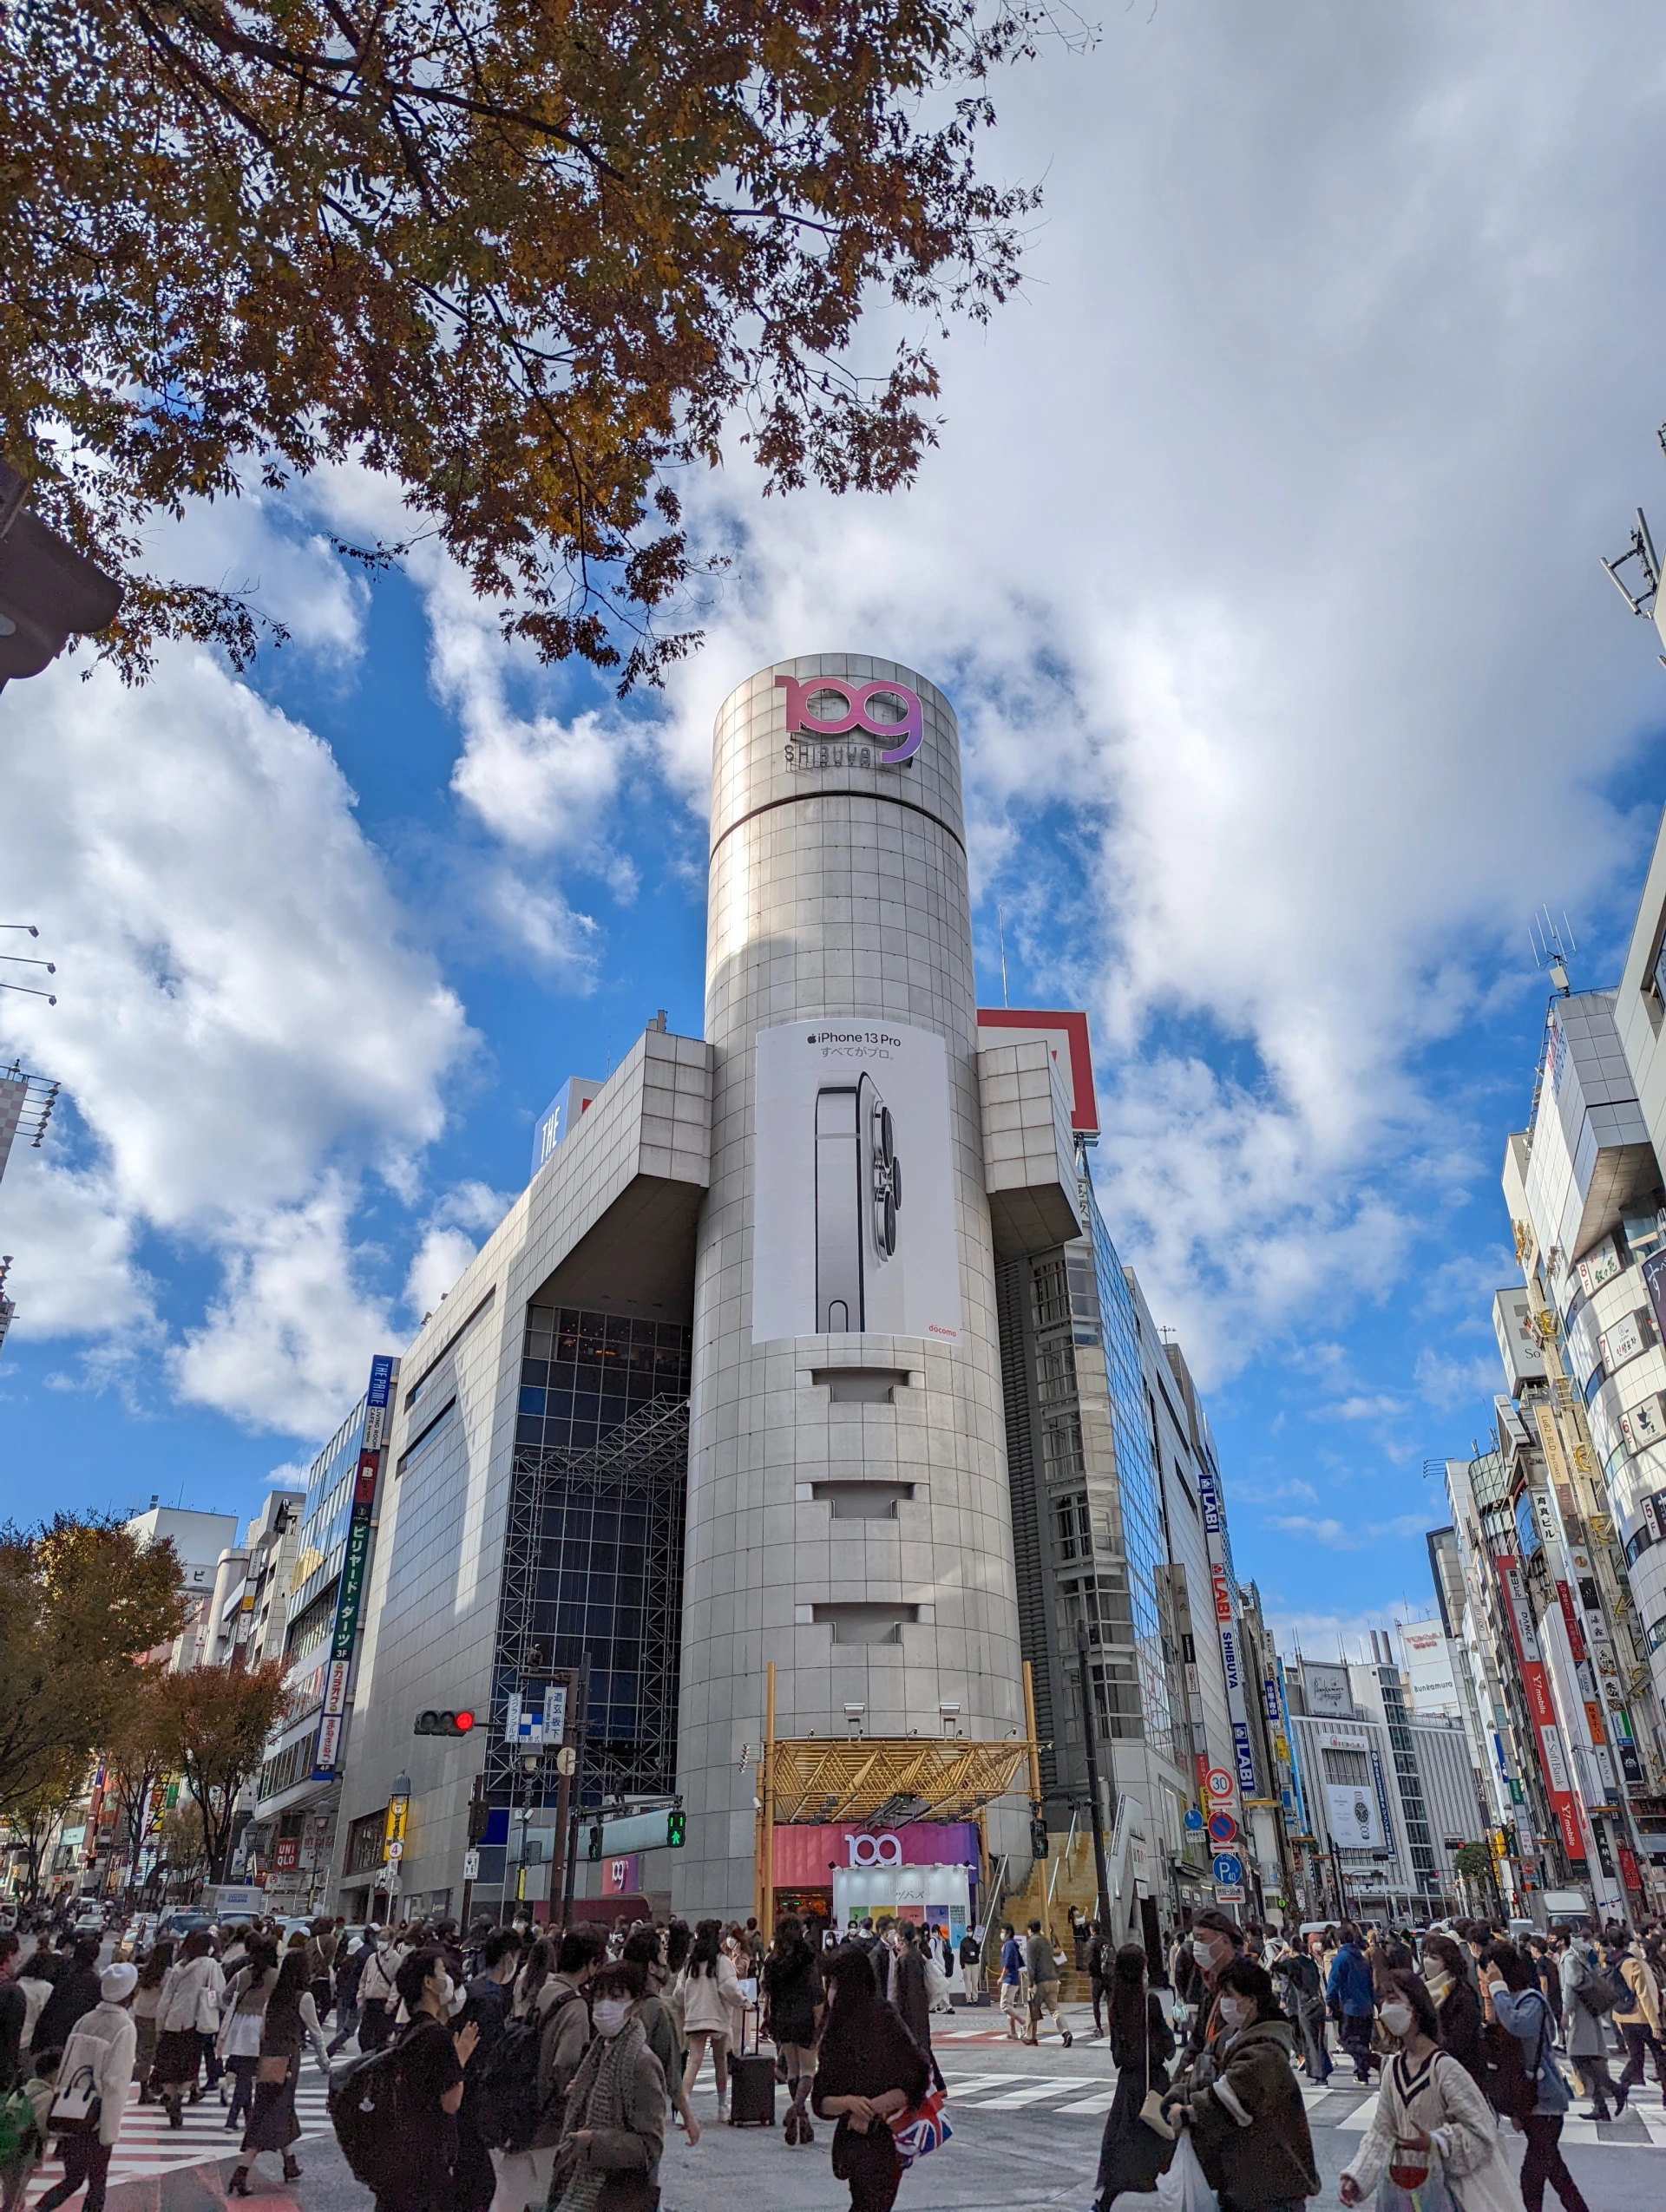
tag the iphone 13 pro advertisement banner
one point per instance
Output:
(853, 1214)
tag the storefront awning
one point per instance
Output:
(893, 1779)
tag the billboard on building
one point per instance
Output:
(853, 1212)
(1518, 1345)
(1351, 1814)
(1328, 1695)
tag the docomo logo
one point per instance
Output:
(909, 730)
(874, 1850)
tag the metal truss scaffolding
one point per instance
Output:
(592, 1567)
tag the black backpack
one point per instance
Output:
(503, 2094)
(369, 2112)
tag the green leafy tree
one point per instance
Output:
(216, 1720)
(80, 1600)
(34, 1816)
(530, 258)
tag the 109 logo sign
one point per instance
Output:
(853, 713)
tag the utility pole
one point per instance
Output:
(575, 1797)
(1090, 1731)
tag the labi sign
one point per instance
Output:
(831, 723)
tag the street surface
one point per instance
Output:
(1026, 2134)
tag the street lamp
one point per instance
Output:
(48, 591)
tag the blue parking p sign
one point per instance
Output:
(1228, 1870)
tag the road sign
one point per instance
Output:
(567, 1759)
(1194, 1818)
(1228, 1870)
(1219, 1783)
(1222, 1828)
(1229, 1893)
(471, 1866)
(396, 1849)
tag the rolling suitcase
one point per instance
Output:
(751, 2087)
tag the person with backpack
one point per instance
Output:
(523, 2089)
(1587, 2000)
(487, 2002)
(429, 2060)
(1514, 2002)
(99, 2055)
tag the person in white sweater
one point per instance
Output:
(713, 2009)
(102, 2041)
(1430, 2109)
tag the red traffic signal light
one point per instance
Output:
(443, 1723)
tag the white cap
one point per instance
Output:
(117, 1983)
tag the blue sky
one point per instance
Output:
(1259, 555)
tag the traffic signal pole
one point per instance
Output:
(574, 1786)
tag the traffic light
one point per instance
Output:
(480, 1814)
(594, 1847)
(1039, 1839)
(675, 1824)
(443, 1723)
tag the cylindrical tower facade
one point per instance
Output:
(848, 1505)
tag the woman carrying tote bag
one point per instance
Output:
(291, 2019)
(1133, 2152)
(1434, 2135)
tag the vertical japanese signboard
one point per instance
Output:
(350, 1592)
(1541, 1705)
(1226, 1624)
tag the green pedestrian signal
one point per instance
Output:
(674, 1829)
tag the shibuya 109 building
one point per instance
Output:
(746, 1523)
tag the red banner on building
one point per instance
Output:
(1536, 1683)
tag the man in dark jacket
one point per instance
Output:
(75, 1994)
(1297, 1978)
(1098, 1969)
(1352, 1992)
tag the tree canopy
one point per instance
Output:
(532, 259)
(81, 1601)
(214, 1723)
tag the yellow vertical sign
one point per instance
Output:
(395, 1830)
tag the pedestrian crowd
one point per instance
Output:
(507, 2070)
(1466, 2031)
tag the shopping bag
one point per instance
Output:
(1398, 2192)
(1152, 2114)
(923, 2128)
(1183, 2187)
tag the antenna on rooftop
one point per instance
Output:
(1642, 592)
(1552, 945)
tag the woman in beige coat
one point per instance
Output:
(1639, 2025)
(1428, 2104)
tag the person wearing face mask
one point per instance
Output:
(432, 2059)
(1429, 2108)
(615, 2130)
(1457, 2008)
(1216, 1943)
(1351, 1989)
(1248, 2125)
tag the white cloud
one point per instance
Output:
(454, 1233)
(1351, 1536)
(1262, 541)
(1328, 1635)
(243, 1025)
(289, 1341)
